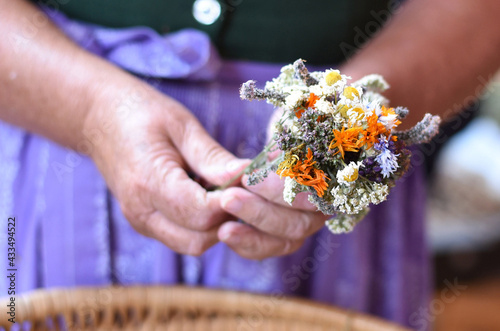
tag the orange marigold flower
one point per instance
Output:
(390, 111)
(311, 101)
(304, 173)
(317, 181)
(346, 140)
(373, 130)
(299, 112)
(320, 118)
(387, 111)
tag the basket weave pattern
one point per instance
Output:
(180, 308)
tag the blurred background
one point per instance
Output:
(464, 220)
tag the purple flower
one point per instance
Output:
(387, 160)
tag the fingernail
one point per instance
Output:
(232, 205)
(244, 180)
(231, 238)
(235, 165)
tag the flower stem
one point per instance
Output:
(256, 163)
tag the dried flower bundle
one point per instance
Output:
(337, 141)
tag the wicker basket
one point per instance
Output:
(180, 308)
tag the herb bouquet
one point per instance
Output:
(337, 141)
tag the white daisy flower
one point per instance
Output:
(349, 174)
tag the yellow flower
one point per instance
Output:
(289, 161)
(332, 77)
(343, 109)
(350, 92)
(352, 177)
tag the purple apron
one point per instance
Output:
(71, 232)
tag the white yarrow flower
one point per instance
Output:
(322, 90)
(350, 201)
(324, 106)
(291, 190)
(295, 99)
(373, 82)
(375, 98)
(379, 193)
(343, 223)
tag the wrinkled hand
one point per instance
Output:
(145, 144)
(273, 227)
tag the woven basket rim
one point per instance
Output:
(39, 304)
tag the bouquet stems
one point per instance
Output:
(257, 163)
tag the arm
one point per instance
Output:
(48, 83)
(141, 140)
(436, 54)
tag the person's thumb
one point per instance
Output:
(207, 158)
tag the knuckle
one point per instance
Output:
(135, 207)
(138, 221)
(195, 222)
(256, 256)
(319, 221)
(135, 182)
(133, 192)
(130, 210)
(191, 130)
(131, 215)
(259, 217)
(254, 252)
(187, 126)
(193, 214)
(202, 225)
(291, 246)
(287, 247)
(301, 228)
(213, 154)
(197, 247)
(182, 215)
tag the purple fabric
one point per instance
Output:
(71, 232)
(186, 54)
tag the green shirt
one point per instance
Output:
(320, 31)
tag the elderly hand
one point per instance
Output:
(273, 227)
(145, 144)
